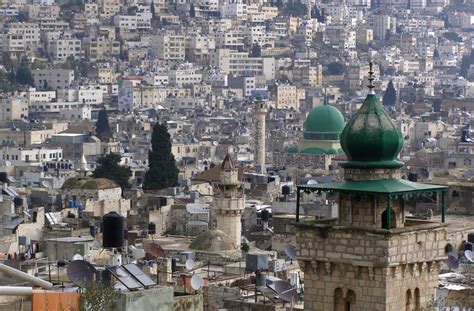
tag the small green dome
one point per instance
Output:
(370, 139)
(324, 119)
(292, 149)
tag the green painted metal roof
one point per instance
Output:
(316, 150)
(386, 186)
(325, 119)
(370, 139)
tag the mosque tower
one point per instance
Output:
(260, 110)
(229, 201)
(371, 256)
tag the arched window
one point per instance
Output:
(338, 300)
(408, 301)
(393, 220)
(417, 299)
(350, 301)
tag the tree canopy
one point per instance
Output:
(102, 127)
(390, 95)
(256, 50)
(16, 75)
(162, 171)
(296, 9)
(316, 13)
(109, 167)
(335, 69)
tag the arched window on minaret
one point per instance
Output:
(350, 301)
(408, 301)
(417, 299)
(393, 220)
(338, 299)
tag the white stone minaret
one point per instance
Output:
(83, 169)
(260, 110)
(229, 201)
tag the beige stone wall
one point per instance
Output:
(379, 266)
(373, 174)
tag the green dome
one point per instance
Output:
(370, 139)
(293, 149)
(325, 119)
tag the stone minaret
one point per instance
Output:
(370, 257)
(229, 201)
(260, 110)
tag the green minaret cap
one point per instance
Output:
(370, 139)
(259, 97)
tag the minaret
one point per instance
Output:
(229, 201)
(83, 166)
(260, 110)
(371, 257)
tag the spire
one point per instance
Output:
(325, 102)
(371, 79)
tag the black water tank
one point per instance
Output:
(470, 237)
(265, 215)
(151, 228)
(113, 230)
(286, 190)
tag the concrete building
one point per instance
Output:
(167, 46)
(53, 78)
(13, 109)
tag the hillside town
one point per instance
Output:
(236, 155)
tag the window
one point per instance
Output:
(393, 220)
(408, 301)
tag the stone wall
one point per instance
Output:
(186, 303)
(214, 296)
(371, 174)
(377, 266)
(303, 160)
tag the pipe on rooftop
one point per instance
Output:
(25, 277)
(16, 291)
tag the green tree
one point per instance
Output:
(192, 11)
(162, 172)
(109, 167)
(335, 69)
(23, 73)
(102, 127)
(390, 95)
(296, 9)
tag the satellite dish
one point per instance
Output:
(452, 263)
(197, 282)
(81, 273)
(77, 257)
(46, 184)
(284, 290)
(189, 264)
(290, 251)
(469, 255)
(453, 254)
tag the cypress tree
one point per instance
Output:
(109, 167)
(192, 11)
(256, 50)
(390, 95)
(102, 127)
(162, 171)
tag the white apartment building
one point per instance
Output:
(21, 37)
(59, 109)
(139, 22)
(382, 24)
(182, 77)
(34, 96)
(199, 47)
(63, 48)
(240, 64)
(167, 46)
(53, 78)
(20, 156)
(13, 108)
